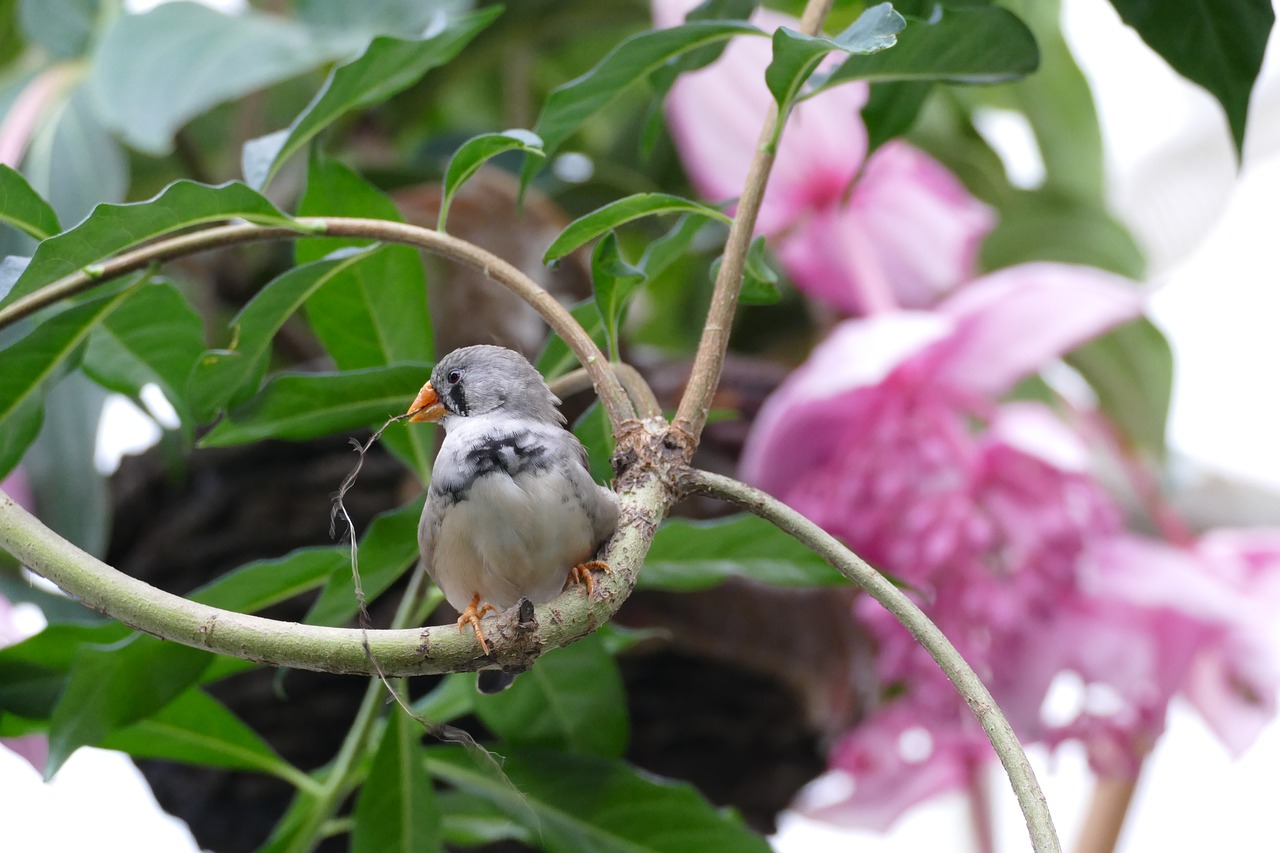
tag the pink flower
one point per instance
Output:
(863, 234)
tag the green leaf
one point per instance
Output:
(473, 821)
(298, 406)
(961, 44)
(1131, 370)
(33, 362)
(207, 58)
(387, 67)
(73, 160)
(586, 228)
(614, 280)
(111, 687)
(373, 313)
(571, 700)
(570, 105)
(22, 207)
(396, 809)
(155, 336)
(1043, 225)
(33, 673)
(225, 377)
(1218, 44)
(389, 547)
(596, 434)
(262, 583)
(113, 227)
(892, 109)
(691, 555)
(478, 150)
(759, 281)
(556, 359)
(195, 728)
(452, 698)
(583, 803)
(795, 55)
(61, 27)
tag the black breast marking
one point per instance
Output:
(507, 454)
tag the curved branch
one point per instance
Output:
(610, 391)
(1034, 808)
(403, 652)
(642, 396)
(691, 416)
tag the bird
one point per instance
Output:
(512, 511)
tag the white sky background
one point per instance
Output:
(1214, 241)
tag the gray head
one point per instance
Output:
(482, 379)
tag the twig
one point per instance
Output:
(1034, 808)
(691, 416)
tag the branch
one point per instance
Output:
(691, 416)
(418, 651)
(610, 391)
(1034, 808)
(642, 396)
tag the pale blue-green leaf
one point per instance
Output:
(586, 228)
(388, 66)
(61, 27)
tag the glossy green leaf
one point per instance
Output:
(387, 549)
(396, 809)
(960, 44)
(596, 434)
(195, 728)
(892, 109)
(477, 151)
(33, 673)
(262, 583)
(225, 377)
(452, 698)
(588, 804)
(207, 57)
(1131, 370)
(614, 279)
(61, 27)
(155, 336)
(759, 281)
(113, 227)
(33, 362)
(373, 313)
(471, 821)
(22, 207)
(1218, 44)
(113, 686)
(795, 55)
(571, 700)
(586, 228)
(690, 555)
(388, 66)
(556, 359)
(298, 406)
(633, 60)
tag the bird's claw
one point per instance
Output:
(472, 616)
(581, 573)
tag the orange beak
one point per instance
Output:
(426, 406)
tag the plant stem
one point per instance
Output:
(1034, 808)
(612, 396)
(691, 416)
(1108, 808)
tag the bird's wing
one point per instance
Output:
(428, 529)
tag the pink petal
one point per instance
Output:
(1014, 321)
(34, 748)
(716, 114)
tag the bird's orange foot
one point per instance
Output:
(472, 616)
(581, 573)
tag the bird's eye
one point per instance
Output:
(454, 377)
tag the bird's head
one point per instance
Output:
(485, 379)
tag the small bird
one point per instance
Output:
(512, 511)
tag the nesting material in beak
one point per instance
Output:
(426, 406)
